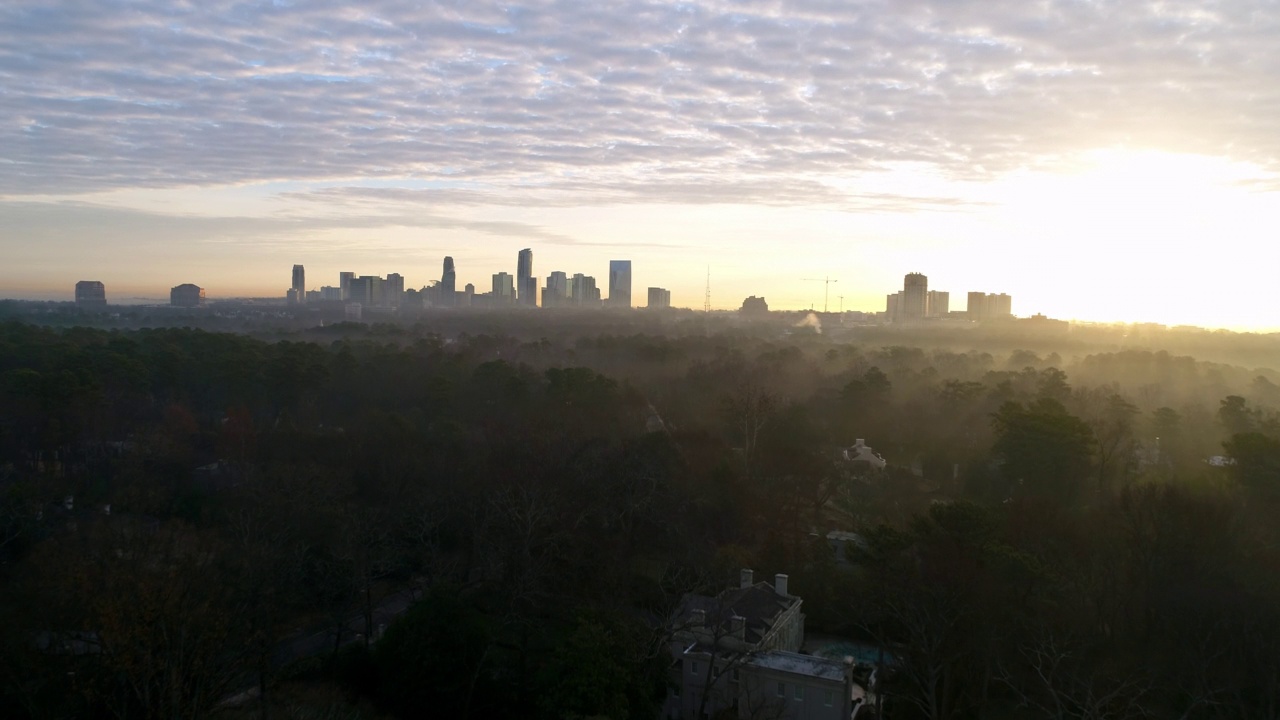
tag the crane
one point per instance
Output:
(826, 281)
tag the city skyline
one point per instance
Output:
(1132, 176)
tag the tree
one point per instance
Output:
(436, 656)
(1235, 416)
(1045, 449)
(1257, 461)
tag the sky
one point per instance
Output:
(1095, 159)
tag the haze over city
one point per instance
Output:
(1100, 161)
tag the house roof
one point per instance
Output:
(759, 605)
(808, 665)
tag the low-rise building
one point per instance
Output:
(739, 652)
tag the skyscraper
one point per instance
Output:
(344, 284)
(915, 297)
(526, 286)
(91, 293)
(620, 283)
(447, 292)
(300, 283)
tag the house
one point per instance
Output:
(740, 651)
(862, 455)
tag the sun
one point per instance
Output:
(1146, 235)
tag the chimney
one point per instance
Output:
(747, 578)
(780, 584)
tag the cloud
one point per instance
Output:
(44, 223)
(599, 101)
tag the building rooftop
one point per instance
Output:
(759, 605)
(797, 664)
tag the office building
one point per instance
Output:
(939, 304)
(504, 290)
(447, 290)
(659, 298)
(299, 284)
(526, 285)
(291, 296)
(353, 312)
(344, 284)
(620, 283)
(329, 293)
(893, 306)
(187, 295)
(556, 293)
(91, 293)
(394, 290)
(915, 297)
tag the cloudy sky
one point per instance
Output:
(1096, 159)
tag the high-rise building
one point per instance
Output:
(300, 283)
(659, 298)
(893, 306)
(989, 306)
(915, 297)
(556, 293)
(620, 283)
(504, 291)
(291, 296)
(526, 286)
(939, 304)
(976, 308)
(1001, 305)
(447, 290)
(754, 306)
(344, 284)
(394, 290)
(91, 293)
(583, 291)
(368, 290)
(187, 295)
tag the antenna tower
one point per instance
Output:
(706, 300)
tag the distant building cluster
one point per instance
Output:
(362, 294)
(917, 302)
(505, 289)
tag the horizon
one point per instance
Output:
(1099, 163)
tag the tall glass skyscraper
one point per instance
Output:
(620, 283)
(526, 285)
(448, 290)
(300, 283)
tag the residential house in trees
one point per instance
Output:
(740, 652)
